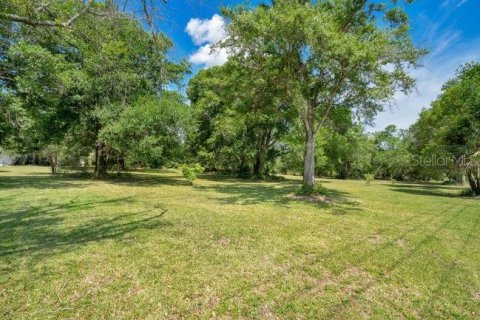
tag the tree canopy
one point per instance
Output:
(327, 55)
(88, 83)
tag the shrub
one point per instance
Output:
(190, 172)
(467, 193)
(368, 178)
(317, 189)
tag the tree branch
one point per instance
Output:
(67, 24)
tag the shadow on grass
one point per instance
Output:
(139, 179)
(80, 180)
(38, 181)
(251, 192)
(423, 191)
(39, 231)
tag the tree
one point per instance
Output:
(150, 133)
(332, 54)
(450, 130)
(349, 152)
(240, 118)
(392, 158)
(64, 14)
(219, 140)
(68, 81)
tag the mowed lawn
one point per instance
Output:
(152, 247)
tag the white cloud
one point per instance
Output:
(457, 3)
(208, 57)
(206, 30)
(448, 51)
(445, 41)
(430, 79)
(206, 33)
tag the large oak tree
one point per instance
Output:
(331, 54)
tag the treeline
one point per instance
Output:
(82, 80)
(86, 84)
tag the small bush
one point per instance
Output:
(393, 181)
(317, 189)
(368, 178)
(190, 172)
(467, 193)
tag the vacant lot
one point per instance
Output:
(151, 246)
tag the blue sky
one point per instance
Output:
(450, 29)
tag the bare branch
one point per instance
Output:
(29, 21)
(79, 13)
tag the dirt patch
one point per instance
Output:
(321, 284)
(375, 239)
(476, 296)
(265, 312)
(263, 288)
(400, 243)
(96, 283)
(312, 198)
(223, 241)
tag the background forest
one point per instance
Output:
(87, 84)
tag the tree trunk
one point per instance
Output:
(52, 160)
(100, 160)
(121, 164)
(309, 158)
(258, 167)
(474, 181)
(262, 144)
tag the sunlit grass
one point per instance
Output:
(152, 246)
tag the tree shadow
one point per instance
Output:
(244, 193)
(420, 191)
(41, 182)
(37, 232)
(145, 179)
(248, 192)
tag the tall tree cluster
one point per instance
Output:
(64, 84)
(449, 131)
(326, 55)
(86, 81)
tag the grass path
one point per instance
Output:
(152, 247)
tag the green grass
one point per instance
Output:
(151, 246)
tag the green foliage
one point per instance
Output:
(190, 172)
(239, 119)
(369, 178)
(450, 129)
(328, 55)
(66, 85)
(349, 151)
(316, 189)
(392, 158)
(468, 193)
(149, 133)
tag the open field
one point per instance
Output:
(151, 246)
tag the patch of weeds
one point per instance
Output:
(368, 178)
(190, 172)
(316, 189)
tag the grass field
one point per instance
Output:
(151, 247)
